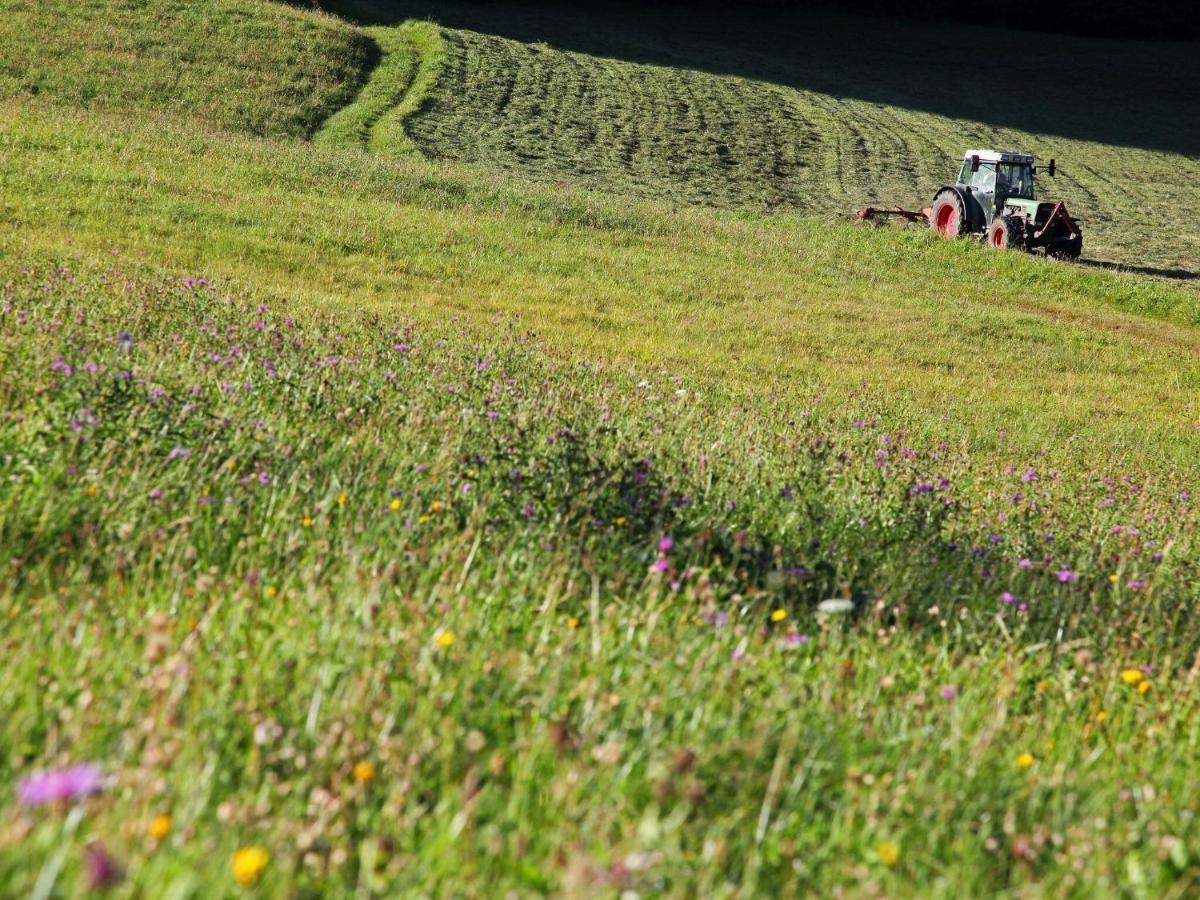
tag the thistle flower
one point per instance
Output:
(102, 870)
(71, 783)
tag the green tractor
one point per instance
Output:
(995, 199)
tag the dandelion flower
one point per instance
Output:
(271, 591)
(1101, 716)
(436, 506)
(307, 522)
(889, 853)
(572, 622)
(445, 638)
(1114, 578)
(92, 490)
(620, 521)
(342, 499)
(1025, 760)
(1143, 686)
(779, 615)
(364, 772)
(423, 519)
(1133, 676)
(394, 506)
(159, 828)
(248, 865)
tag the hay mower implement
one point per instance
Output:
(994, 199)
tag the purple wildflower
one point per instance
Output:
(665, 543)
(1007, 597)
(1066, 575)
(949, 692)
(79, 780)
(102, 870)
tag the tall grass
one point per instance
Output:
(423, 608)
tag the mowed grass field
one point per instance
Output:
(816, 113)
(385, 525)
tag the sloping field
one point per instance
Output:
(245, 65)
(382, 526)
(817, 113)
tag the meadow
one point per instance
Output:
(381, 525)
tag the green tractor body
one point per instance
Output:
(995, 198)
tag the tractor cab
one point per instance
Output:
(990, 181)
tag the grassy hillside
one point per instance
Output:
(392, 527)
(246, 65)
(873, 321)
(815, 113)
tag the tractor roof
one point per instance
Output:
(993, 156)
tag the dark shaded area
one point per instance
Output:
(1125, 93)
(1174, 274)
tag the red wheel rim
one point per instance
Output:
(947, 221)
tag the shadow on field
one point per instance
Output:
(1174, 274)
(1127, 93)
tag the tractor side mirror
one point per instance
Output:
(975, 163)
(1050, 169)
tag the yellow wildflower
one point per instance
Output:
(1113, 578)
(423, 519)
(1143, 686)
(889, 853)
(342, 499)
(231, 465)
(1025, 760)
(364, 772)
(779, 615)
(620, 521)
(394, 505)
(572, 622)
(1133, 676)
(271, 591)
(1101, 716)
(248, 865)
(307, 522)
(92, 490)
(445, 638)
(159, 827)
(436, 506)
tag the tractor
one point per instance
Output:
(995, 199)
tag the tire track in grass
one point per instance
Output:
(411, 56)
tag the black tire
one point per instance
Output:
(1005, 233)
(1068, 251)
(948, 216)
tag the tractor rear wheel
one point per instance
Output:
(948, 217)
(1067, 250)
(1005, 232)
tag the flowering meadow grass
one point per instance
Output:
(378, 526)
(351, 603)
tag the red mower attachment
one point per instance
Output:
(907, 214)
